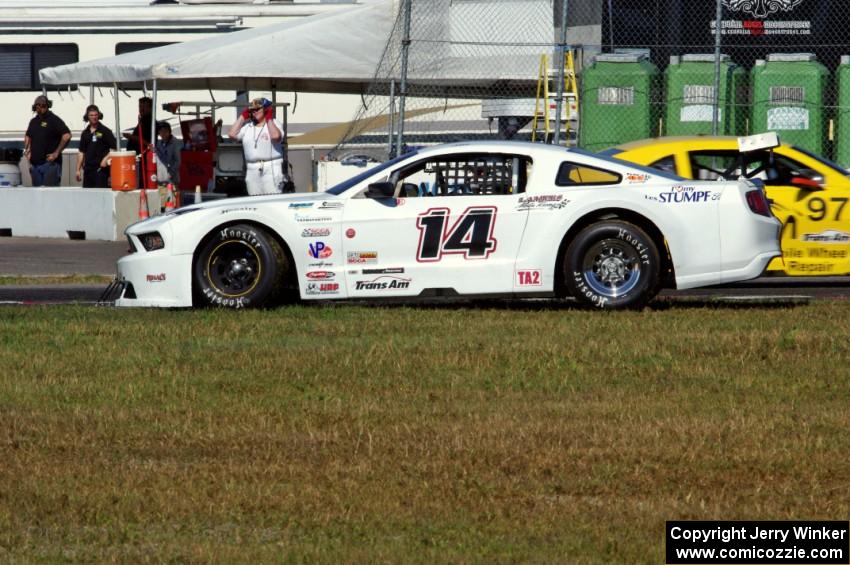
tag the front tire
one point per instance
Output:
(240, 266)
(612, 265)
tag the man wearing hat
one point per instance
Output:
(46, 137)
(261, 136)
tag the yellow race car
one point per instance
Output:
(808, 193)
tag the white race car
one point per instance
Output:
(466, 219)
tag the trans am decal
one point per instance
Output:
(827, 236)
(384, 282)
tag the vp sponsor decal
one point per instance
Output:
(548, 201)
(319, 250)
(361, 257)
(384, 282)
(315, 232)
(827, 236)
(322, 288)
(320, 275)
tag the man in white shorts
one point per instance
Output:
(261, 138)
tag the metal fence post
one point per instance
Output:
(715, 111)
(562, 53)
(402, 95)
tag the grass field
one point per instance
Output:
(416, 434)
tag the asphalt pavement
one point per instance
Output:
(38, 257)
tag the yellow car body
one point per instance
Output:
(809, 194)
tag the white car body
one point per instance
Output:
(348, 245)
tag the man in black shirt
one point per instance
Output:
(139, 139)
(46, 137)
(96, 141)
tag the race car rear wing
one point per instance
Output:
(758, 142)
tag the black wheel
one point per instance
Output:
(241, 266)
(612, 264)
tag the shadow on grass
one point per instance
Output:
(565, 304)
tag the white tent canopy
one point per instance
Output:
(303, 54)
(336, 52)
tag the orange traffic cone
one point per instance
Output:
(169, 198)
(143, 205)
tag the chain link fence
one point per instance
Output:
(471, 69)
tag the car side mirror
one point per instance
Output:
(383, 189)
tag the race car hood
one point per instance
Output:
(226, 203)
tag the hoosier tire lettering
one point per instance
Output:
(240, 266)
(612, 264)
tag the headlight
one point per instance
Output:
(151, 241)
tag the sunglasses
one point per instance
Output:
(260, 109)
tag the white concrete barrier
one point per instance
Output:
(90, 213)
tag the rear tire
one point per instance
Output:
(240, 266)
(612, 265)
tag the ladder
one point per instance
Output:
(545, 103)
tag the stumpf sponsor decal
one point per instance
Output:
(384, 282)
(827, 236)
(319, 250)
(322, 288)
(549, 201)
(681, 194)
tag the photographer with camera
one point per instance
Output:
(261, 136)
(46, 137)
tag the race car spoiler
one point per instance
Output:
(758, 141)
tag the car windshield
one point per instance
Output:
(822, 160)
(623, 163)
(355, 180)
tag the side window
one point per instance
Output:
(714, 165)
(464, 175)
(577, 174)
(667, 164)
(20, 63)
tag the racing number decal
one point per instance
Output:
(818, 208)
(471, 235)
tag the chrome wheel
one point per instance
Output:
(611, 267)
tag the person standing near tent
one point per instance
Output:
(96, 141)
(138, 139)
(46, 137)
(261, 136)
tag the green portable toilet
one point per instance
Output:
(788, 98)
(616, 100)
(689, 83)
(842, 125)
